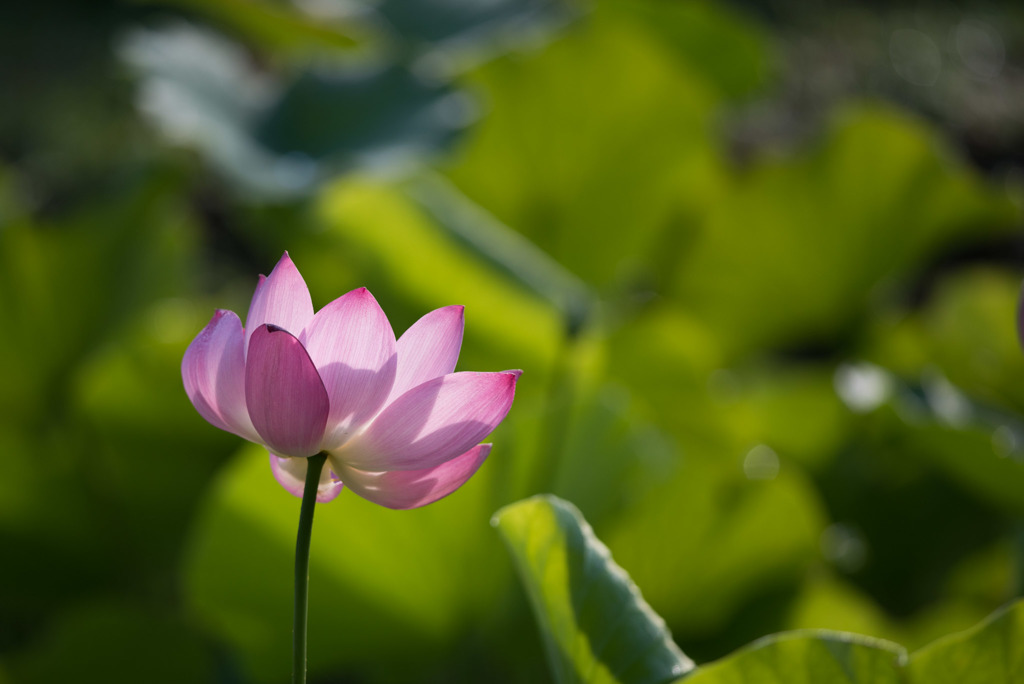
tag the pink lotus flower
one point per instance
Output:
(399, 426)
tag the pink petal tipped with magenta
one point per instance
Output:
(433, 422)
(281, 299)
(352, 346)
(286, 399)
(429, 348)
(213, 371)
(291, 474)
(403, 489)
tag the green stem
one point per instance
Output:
(314, 465)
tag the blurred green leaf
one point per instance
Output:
(595, 147)
(990, 652)
(835, 229)
(412, 256)
(504, 249)
(118, 643)
(358, 114)
(980, 447)
(275, 25)
(810, 657)
(752, 513)
(966, 328)
(923, 455)
(610, 456)
(279, 135)
(78, 286)
(112, 394)
(792, 407)
(716, 43)
(973, 458)
(670, 361)
(58, 289)
(200, 90)
(828, 602)
(439, 21)
(596, 626)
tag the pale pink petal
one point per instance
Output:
(285, 396)
(213, 371)
(291, 474)
(282, 299)
(353, 347)
(432, 423)
(404, 489)
(429, 349)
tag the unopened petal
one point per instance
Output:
(432, 423)
(429, 348)
(352, 346)
(213, 372)
(286, 399)
(291, 474)
(403, 489)
(281, 299)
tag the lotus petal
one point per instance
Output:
(282, 299)
(353, 347)
(403, 489)
(291, 473)
(285, 396)
(213, 371)
(433, 422)
(429, 348)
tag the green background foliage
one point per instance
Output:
(759, 264)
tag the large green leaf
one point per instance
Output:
(596, 626)
(989, 653)
(809, 657)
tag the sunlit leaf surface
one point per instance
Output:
(990, 652)
(808, 658)
(596, 626)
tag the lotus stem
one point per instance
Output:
(309, 492)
